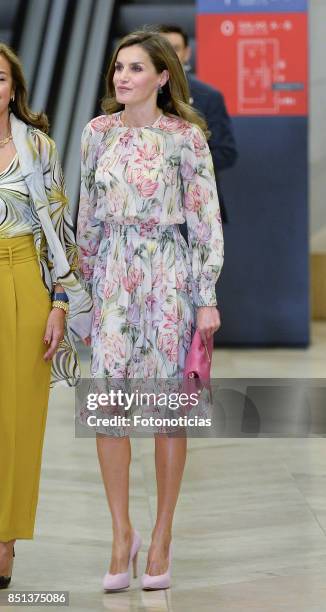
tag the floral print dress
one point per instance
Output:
(137, 186)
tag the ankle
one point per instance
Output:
(7, 548)
(162, 536)
(122, 533)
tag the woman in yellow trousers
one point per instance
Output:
(38, 257)
(24, 375)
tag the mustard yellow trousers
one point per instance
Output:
(24, 385)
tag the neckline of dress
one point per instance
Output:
(141, 127)
(10, 164)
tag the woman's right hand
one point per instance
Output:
(87, 341)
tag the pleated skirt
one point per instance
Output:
(24, 385)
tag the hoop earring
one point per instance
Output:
(12, 98)
(160, 89)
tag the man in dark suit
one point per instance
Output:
(210, 103)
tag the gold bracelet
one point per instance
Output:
(62, 305)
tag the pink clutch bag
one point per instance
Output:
(199, 358)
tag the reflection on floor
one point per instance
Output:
(250, 526)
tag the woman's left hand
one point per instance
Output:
(208, 321)
(54, 331)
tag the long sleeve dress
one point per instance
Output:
(137, 186)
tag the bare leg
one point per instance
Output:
(6, 557)
(170, 457)
(114, 456)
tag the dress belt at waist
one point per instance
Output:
(146, 230)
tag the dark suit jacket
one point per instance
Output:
(210, 103)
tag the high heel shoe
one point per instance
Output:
(162, 581)
(5, 580)
(116, 582)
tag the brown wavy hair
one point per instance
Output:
(174, 99)
(20, 104)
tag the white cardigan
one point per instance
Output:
(53, 238)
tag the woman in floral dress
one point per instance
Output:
(146, 169)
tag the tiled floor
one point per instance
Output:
(250, 526)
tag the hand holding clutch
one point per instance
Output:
(199, 358)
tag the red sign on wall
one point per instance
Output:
(258, 61)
